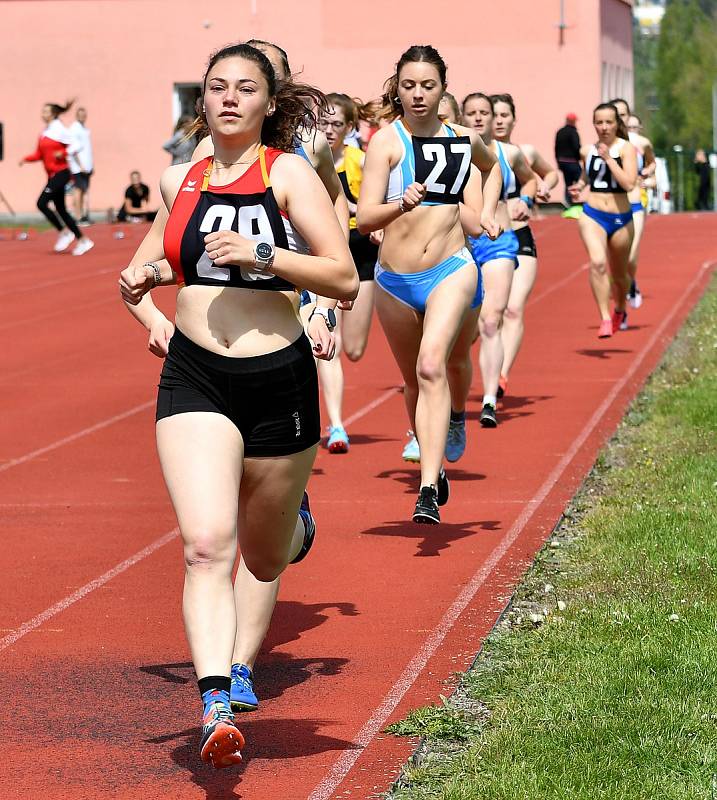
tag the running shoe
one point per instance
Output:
(243, 697)
(443, 488)
(412, 452)
(605, 330)
(502, 386)
(634, 296)
(82, 247)
(84, 222)
(64, 240)
(426, 511)
(619, 321)
(456, 441)
(309, 529)
(221, 741)
(487, 416)
(338, 439)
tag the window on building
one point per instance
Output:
(184, 101)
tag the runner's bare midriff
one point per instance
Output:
(421, 238)
(606, 201)
(238, 322)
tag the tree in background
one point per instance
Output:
(685, 69)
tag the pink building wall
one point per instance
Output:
(121, 59)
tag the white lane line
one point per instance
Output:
(555, 286)
(378, 720)
(60, 606)
(75, 436)
(71, 599)
(379, 401)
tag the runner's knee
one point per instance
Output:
(430, 368)
(209, 549)
(513, 313)
(267, 567)
(598, 266)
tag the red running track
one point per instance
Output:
(100, 699)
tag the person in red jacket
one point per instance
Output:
(52, 149)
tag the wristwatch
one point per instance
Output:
(264, 256)
(528, 200)
(328, 315)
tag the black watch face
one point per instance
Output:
(264, 251)
(332, 317)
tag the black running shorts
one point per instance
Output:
(526, 242)
(273, 399)
(365, 254)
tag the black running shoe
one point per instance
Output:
(426, 511)
(487, 416)
(443, 488)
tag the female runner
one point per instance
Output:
(255, 600)
(340, 120)
(417, 172)
(497, 259)
(610, 169)
(646, 165)
(524, 278)
(53, 147)
(237, 411)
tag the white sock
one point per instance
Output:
(490, 399)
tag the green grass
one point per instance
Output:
(614, 695)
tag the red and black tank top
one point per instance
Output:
(246, 206)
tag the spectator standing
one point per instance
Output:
(135, 207)
(702, 168)
(81, 163)
(567, 153)
(181, 147)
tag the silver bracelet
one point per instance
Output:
(157, 272)
(401, 207)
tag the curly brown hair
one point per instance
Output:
(298, 105)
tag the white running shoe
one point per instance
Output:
(412, 452)
(64, 240)
(82, 246)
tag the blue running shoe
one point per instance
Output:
(456, 441)
(221, 741)
(309, 529)
(338, 440)
(412, 452)
(242, 692)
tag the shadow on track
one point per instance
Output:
(434, 538)
(266, 740)
(603, 353)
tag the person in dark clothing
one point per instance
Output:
(567, 153)
(136, 201)
(702, 168)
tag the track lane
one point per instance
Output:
(347, 625)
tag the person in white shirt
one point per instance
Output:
(81, 165)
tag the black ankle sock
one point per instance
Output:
(212, 682)
(458, 416)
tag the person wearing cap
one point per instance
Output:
(567, 153)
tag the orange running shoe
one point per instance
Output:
(605, 329)
(222, 741)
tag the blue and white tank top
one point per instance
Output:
(441, 162)
(511, 187)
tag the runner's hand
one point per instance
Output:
(490, 226)
(413, 196)
(228, 247)
(160, 332)
(603, 151)
(520, 212)
(543, 193)
(324, 342)
(135, 282)
(376, 236)
(575, 189)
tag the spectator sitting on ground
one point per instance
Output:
(136, 202)
(179, 146)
